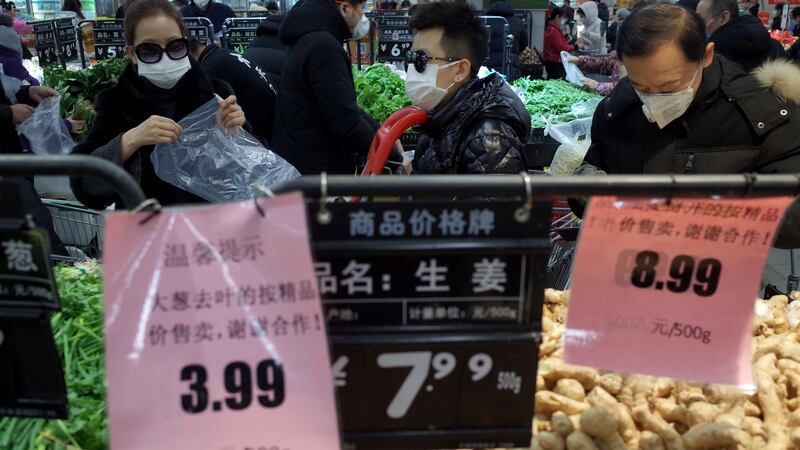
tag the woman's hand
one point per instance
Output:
(573, 59)
(153, 131)
(76, 125)
(20, 113)
(39, 93)
(230, 115)
(589, 83)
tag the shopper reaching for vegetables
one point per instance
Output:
(160, 86)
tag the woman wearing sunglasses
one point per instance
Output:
(160, 86)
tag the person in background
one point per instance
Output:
(122, 8)
(794, 53)
(591, 39)
(682, 109)
(796, 21)
(273, 7)
(604, 65)
(19, 26)
(387, 5)
(777, 21)
(73, 6)
(250, 83)
(613, 29)
(602, 12)
(497, 41)
(753, 8)
(267, 51)
(742, 39)
(212, 10)
(160, 86)
(476, 125)
(405, 5)
(554, 44)
(258, 5)
(318, 124)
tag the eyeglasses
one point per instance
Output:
(420, 60)
(151, 53)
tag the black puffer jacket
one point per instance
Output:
(480, 131)
(746, 41)
(254, 91)
(318, 125)
(738, 123)
(124, 107)
(498, 41)
(266, 50)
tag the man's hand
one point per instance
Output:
(39, 93)
(76, 125)
(20, 113)
(573, 59)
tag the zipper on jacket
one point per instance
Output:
(689, 164)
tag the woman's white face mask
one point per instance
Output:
(663, 109)
(165, 73)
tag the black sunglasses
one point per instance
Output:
(151, 53)
(420, 60)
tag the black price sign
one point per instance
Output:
(239, 380)
(109, 39)
(26, 277)
(393, 50)
(241, 36)
(449, 384)
(685, 273)
(46, 48)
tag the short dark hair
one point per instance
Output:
(146, 9)
(649, 28)
(272, 6)
(555, 12)
(796, 12)
(464, 35)
(720, 6)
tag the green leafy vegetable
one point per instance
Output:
(78, 332)
(551, 99)
(380, 92)
(80, 88)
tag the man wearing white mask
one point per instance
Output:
(318, 125)
(476, 125)
(214, 11)
(682, 109)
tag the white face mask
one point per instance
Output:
(362, 28)
(165, 73)
(421, 87)
(201, 3)
(662, 109)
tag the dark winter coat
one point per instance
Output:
(497, 42)
(745, 41)
(215, 12)
(602, 12)
(254, 91)
(267, 50)
(794, 52)
(9, 139)
(318, 125)
(12, 66)
(124, 107)
(738, 123)
(480, 131)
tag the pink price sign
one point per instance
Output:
(668, 289)
(214, 332)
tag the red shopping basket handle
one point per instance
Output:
(388, 134)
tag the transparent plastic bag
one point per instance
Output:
(215, 166)
(575, 138)
(574, 74)
(46, 131)
(586, 108)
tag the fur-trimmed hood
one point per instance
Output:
(782, 77)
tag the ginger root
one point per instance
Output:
(549, 402)
(579, 440)
(571, 389)
(562, 424)
(600, 424)
(710, 435)
(651, 441)
(549, 441)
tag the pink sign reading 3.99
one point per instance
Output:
(214, 333)
(668, 289)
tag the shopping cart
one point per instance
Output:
(80, 229)
(391, 131)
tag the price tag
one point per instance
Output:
(26, 276)
(667, 289)
(214, 331)
(393, 50)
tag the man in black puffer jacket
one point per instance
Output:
(742, 39)
(267, 50)
(476, 126)
(318, 124)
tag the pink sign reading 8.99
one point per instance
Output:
(668, 289)
(214, 333)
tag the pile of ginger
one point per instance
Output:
(580, 408)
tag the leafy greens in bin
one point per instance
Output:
(380, 92)
(551, 99)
